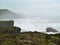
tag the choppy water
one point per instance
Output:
(29, 25)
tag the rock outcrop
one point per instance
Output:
(6, 24)
(49, 29)
(7, 27)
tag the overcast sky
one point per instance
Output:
(39, 9)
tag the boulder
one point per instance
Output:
(49, 29)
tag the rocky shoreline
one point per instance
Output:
(13, 36)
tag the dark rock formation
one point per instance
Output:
(14, 31)
(10, 30)
(49, 29)
(7, 27)
(6, 24)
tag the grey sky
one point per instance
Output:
(39, 9)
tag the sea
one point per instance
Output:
(34, 25)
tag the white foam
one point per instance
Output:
(25, 25)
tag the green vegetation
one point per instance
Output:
(54, 39)
(23, 38)
(28, 38)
